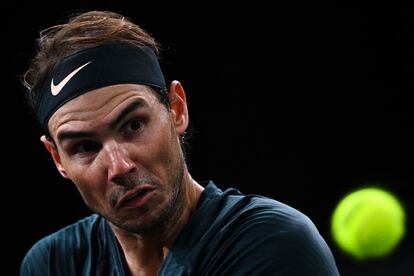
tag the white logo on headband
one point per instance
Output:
(55, 89)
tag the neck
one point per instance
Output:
(145, 253)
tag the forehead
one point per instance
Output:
(99, 103)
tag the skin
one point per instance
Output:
(114, 139)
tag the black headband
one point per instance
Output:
(97, 67)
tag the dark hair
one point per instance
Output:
(82, 31)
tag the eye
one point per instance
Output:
(134, 126)
(86, 146)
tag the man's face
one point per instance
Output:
(120, 147)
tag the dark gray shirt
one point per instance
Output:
(228, 234)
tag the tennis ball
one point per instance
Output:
(368, 223)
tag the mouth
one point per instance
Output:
(136, 198)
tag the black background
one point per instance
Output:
(302, 104)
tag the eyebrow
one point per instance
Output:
(66, 135)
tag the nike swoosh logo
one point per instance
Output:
(57, 88)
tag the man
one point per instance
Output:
(115, 130)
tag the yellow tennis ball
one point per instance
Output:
(368, 223)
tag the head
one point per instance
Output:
(111, 125)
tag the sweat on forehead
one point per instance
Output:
(97, 67)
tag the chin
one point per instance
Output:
(142, 225)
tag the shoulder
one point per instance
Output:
(266, 211)
(276, 223)
(233, 204)
(233, 210)
(72, 241)
(254, 210)
(268, 236)
(254, 215)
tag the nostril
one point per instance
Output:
(121, 167)
(120, 170)
(119, 161)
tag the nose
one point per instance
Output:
(120, 162)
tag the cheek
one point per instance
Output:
(88, 183)
(85, 175)
(92, 195)
(169, 156)
(163, 149)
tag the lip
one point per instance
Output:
(136, 198)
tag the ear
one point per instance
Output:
(179, 109)
(51, 148)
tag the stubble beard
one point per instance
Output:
(166, 215)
